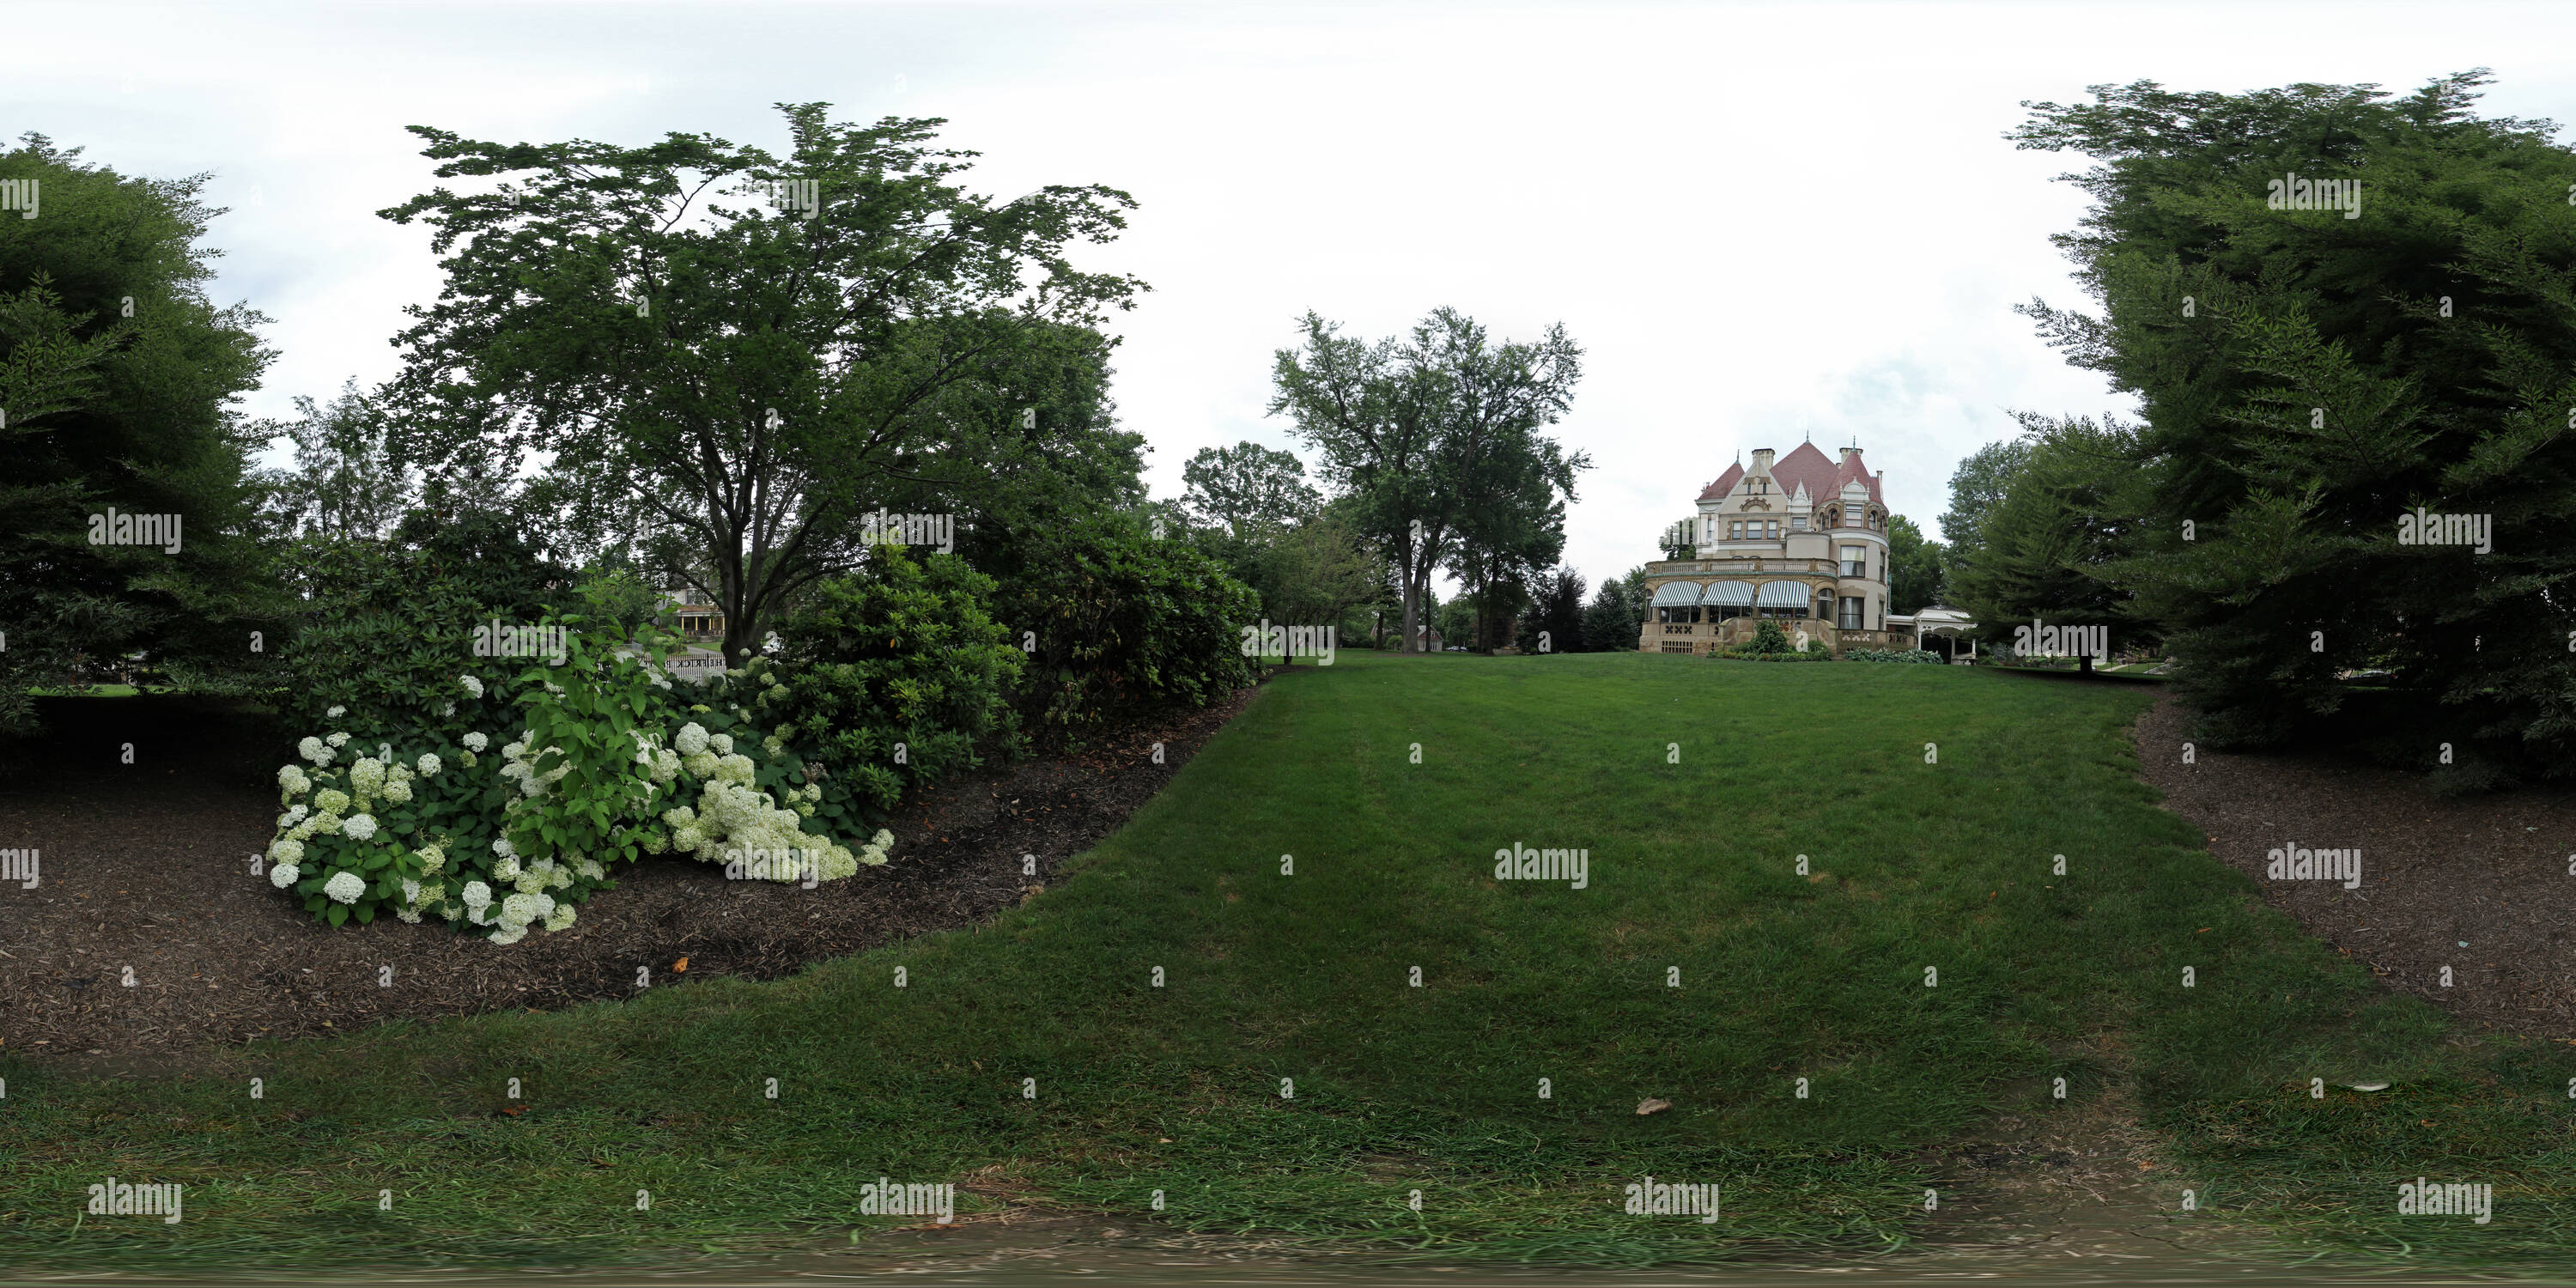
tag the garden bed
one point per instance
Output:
(148, 866)
(2480, 884)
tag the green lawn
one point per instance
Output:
(1305, 977)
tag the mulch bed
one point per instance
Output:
(147, 866)
(2490, 872)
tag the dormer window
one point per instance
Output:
(1797, 523)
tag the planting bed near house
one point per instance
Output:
(148, 866)
(2478, 884)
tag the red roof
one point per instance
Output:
(1804, 467)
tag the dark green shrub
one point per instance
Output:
(1116, 620)
(901, 653)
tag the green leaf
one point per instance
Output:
(338, 914)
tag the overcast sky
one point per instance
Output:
(1753, 217)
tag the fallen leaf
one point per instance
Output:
(1650, 1105)
(681, 965)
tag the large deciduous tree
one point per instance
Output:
(1914, 567)
(1415, 431)
(731, 357)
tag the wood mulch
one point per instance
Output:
(146, 868)
(2480, 885)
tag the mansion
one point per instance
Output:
(1801, 541)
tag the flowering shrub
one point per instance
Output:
(605, 766)
(1894, 655)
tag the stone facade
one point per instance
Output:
(1801, 541)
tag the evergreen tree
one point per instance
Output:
(2310, 377)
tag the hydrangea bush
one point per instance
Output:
(600, 760)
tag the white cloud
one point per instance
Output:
(1743, 213)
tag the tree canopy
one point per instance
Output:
(734, 357)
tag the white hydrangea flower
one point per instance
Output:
(398, 793)
(335, 713)
(311, 749)
(476, 741)
(428, 763)
(284, 875)
(476, 894)
(411, 890)
(837, 864)
(294, 815)
(772, 745)
(338, 740)
(508, 935)
(366, 776)
(701, 765)
(560, 918)
(687, 838)
(531, 879)
(513, 750)
(432, 858)
(691, 739)
(558, 878)
(520, 909)
(465, 758)
(331, 800)
(291, 777)
(359, 827)
(507, 869)
(344, 887)
(882, 838)
(411, 915)
(472, 685)
(666, 764)
(501, 846)
(286, 850)
(447, 712)
(589, 868)
(722, 743)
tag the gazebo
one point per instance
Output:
(1941, 630)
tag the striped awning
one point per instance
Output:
(1674, 594)
(1731, 594)
(1783, 594)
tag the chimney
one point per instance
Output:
(1850, 452)
(1762, 460)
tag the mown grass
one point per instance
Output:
(1693, 785)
